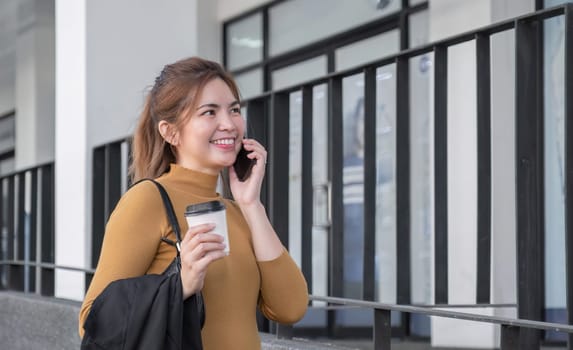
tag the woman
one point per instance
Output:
(190, 130)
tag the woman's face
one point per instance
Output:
(211, 138)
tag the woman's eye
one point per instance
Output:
(208, 112)
(236, 110)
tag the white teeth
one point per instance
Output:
(224, 141)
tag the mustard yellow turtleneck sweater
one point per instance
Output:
(234, 285)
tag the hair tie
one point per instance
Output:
(161, 77)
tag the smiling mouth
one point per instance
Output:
(228, 141)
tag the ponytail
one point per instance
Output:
(151, 155)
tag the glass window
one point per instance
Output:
(353, 185)
(367, 50)
(421, 189)
(7, 133)
(320, 193)
(462, 171)
(421, 178)
(7, 143)
(419, 29)
(295, 176)
(245, 42)
(555, 184)
(551, 3)
(299, 72)
(250, 83)
(386, 184)
(503, 165)
(295, 23)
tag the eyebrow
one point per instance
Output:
(214, 105)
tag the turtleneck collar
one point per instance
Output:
(195, 182)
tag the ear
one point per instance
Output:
(168, 132)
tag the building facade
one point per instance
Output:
(73, 75)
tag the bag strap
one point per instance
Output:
(170, 214)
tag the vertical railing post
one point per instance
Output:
(382, 329)
(441, 174)
(403, 181)
(112, 177)
(21, 239)
(509, 337)
(335, 154)
(569, 165)
(98, 205)
(370, 183)
(47, 207)
(529, 176)
(257, 128)
(277, 166)
(483, 284)
(307, 191)
(403, 185)
(34, 239)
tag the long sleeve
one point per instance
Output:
(284, 292)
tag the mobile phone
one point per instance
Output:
(243, 164)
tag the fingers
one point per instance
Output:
(199, 248)
(256, 150)
(199, 240)
(196, 230)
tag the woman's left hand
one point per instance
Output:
(249, 191)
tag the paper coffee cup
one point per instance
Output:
(209, 212)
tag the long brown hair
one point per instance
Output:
(170, 99)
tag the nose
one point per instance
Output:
(226, 121)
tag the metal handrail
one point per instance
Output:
(434, 310)
(510, 327)
(46, 265)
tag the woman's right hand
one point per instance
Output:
(199, 248)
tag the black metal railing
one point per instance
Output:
(110, 180)
(511, 328)
(27, 230)
(529, 165)
(268, 121)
